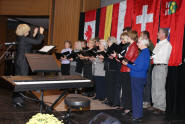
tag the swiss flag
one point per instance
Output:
(146, 17)
(90, 25)
(172, 16)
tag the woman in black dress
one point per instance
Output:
(24, 45)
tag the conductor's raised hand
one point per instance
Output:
(41, 30)
(35, 31)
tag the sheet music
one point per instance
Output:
(46, 48)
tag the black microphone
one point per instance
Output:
(10, 43)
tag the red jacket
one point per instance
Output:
(131, 55)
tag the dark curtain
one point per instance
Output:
(175, 88)
(81, 26)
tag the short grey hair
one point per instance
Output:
(112, 39)
(104, 42)
(144, 41)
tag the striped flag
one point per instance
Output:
(108, 21)
(102, 23)
(121, 17)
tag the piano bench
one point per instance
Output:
(75, 102)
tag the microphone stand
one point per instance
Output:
(2, 56)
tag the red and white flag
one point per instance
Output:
(146, 17)
(172, 16)
(121, 17)
(90, 25)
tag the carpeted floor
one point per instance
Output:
(51, 95)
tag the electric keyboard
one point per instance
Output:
(25, 83)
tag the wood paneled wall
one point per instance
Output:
(90, 5)
(24, 7)
(66, 21)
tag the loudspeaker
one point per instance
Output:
(103, 118)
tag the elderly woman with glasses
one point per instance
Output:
(138, 76)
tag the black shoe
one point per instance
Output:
(101, 99)
(109, 103)
(127, 113)
(159, 112)
(84, 94)
(90, 95)
(16, 105)
(136, 120)
(120, 108)
(115, 105)
(106, 101)
(94, 98)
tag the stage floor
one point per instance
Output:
(11, 115)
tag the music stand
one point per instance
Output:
(46, 49)
(42, 63)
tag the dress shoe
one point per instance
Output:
(95, 98)
(120, 108)
(146, 105)
(84, 94)
(151, 108)
(90, 95)
(101, 99)
(127, 113)
(159, 112)
(136, 119)
(115, 105)
(108, 103)
(104, 102)
(18, 105)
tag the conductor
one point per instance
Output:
(24, 45)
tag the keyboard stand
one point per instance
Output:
(42, 100)
(50, 108)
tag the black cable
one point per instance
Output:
(37, 100)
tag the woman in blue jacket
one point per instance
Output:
(138, 75)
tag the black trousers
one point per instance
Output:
(110, 77)
(87, 73)
(117, 98)
(100, 86)
(65, 69)
(126, 90)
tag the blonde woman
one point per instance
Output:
(24, 45)
(112, 68)
(87, 67)
(99, 72)
(76, 64)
